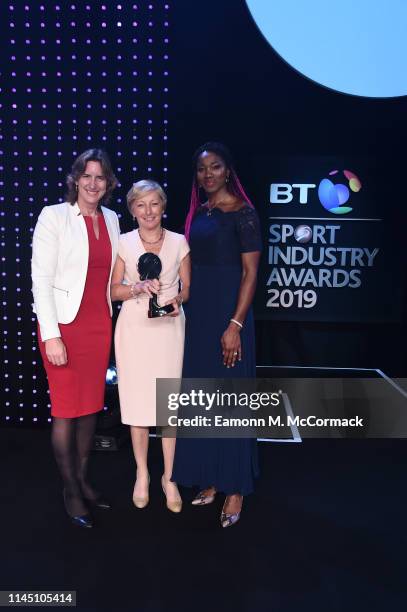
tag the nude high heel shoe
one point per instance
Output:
(173, 506)
(141, 502)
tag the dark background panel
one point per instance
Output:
(74, 76)
(230, 85)
(167, 79)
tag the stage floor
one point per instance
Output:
(325, 532)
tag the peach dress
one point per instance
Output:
(145, 348)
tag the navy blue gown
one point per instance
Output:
(217, 240)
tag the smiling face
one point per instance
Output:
(148, 210)
(211, 172)
(91, 185)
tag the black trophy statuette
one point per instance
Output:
(149, 267)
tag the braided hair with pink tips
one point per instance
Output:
(234, 186)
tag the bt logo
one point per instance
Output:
(282, 193)
(331, 195)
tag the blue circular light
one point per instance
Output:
(357, 48)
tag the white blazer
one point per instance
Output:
(60, 264)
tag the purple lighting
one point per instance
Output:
(79, 91)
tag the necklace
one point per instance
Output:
(154, 241)
(210, 209)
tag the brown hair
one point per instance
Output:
(78, 168)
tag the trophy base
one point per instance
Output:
(155, 310)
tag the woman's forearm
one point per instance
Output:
(183, 295)
(246, 294)
(185, 278)
(250, 263)
(120, 292)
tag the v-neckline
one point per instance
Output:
(142, 245)
(93, 227)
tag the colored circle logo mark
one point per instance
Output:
(333, 196)
(303, 234)
(357, 47)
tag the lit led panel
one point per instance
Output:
(76, 75)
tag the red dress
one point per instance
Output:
(78, 388)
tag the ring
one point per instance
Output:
(235, 353)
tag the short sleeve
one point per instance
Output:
(184, 248)
(248, 229)
(122, 248)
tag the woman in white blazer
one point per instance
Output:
(74, 249)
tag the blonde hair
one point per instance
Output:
(141, 187)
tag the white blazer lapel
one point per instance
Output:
(79, 232)
(112, 231)
(79, 221)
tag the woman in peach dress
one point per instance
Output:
(147, 349)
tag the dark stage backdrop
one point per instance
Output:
(150, 81)
(285, 129)
(74, 75)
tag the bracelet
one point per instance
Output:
(237, 323)
(132, 290)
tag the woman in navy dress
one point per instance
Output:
(225, 243)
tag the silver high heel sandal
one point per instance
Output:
(203, 500)
(227, 520)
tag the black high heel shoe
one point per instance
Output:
(83, 521)
(100, 502)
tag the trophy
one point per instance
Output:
(149, 267)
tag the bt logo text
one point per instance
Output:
(282, 193)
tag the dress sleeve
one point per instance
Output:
(122, 249)
(248, 229)
(184, 248)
